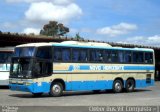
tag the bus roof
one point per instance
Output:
(36, 44)
(86, 43)
(7, 49)
(82, 45)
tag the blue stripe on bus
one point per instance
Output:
(100, 85)
(87, 67)
(75, 86)
(139, 67)
(84, 67)
(33, 88)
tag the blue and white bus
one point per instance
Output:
(5, 59)
(80, 66)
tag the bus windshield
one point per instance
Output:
(21, 68)
(24, 52)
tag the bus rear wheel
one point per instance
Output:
(56, 89)
(130, 85)
(117, 86)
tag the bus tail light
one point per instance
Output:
(148, 78)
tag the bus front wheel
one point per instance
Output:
(56, 89)
(117, 86)
(130, 85)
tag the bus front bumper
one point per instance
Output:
(32, 88)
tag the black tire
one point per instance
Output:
(37, 94)
(56, 89)
(130, 85)
(117, 86)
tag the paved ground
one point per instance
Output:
(148, 96)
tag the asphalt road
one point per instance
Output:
(13, 101)
(144, 97)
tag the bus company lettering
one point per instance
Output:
(95, 67)
(98, 67)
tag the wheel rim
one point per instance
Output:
(118, 87)
(56, 89)
(130, 85)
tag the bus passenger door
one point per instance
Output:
(41, 71)
(43, 65)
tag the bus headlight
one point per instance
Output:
(29, 75)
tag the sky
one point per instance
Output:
(121, 21)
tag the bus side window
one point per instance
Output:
(99, 55)
(114, 56)
(8, 60)
(107, 55)
(66, 54)
(92, 55)
(83, 55)
(148, 58)
(141, 57)
(121, 56)
(5, 57)
(57, 54)
(128, 57)
(79, 55)
(75, 55)
(135, 57)
(96, 55)
(44, 52)
(138, 57)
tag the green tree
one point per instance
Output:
(54, 29)
(78, 36)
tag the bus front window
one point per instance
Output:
(24, 51)
(21, 68)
